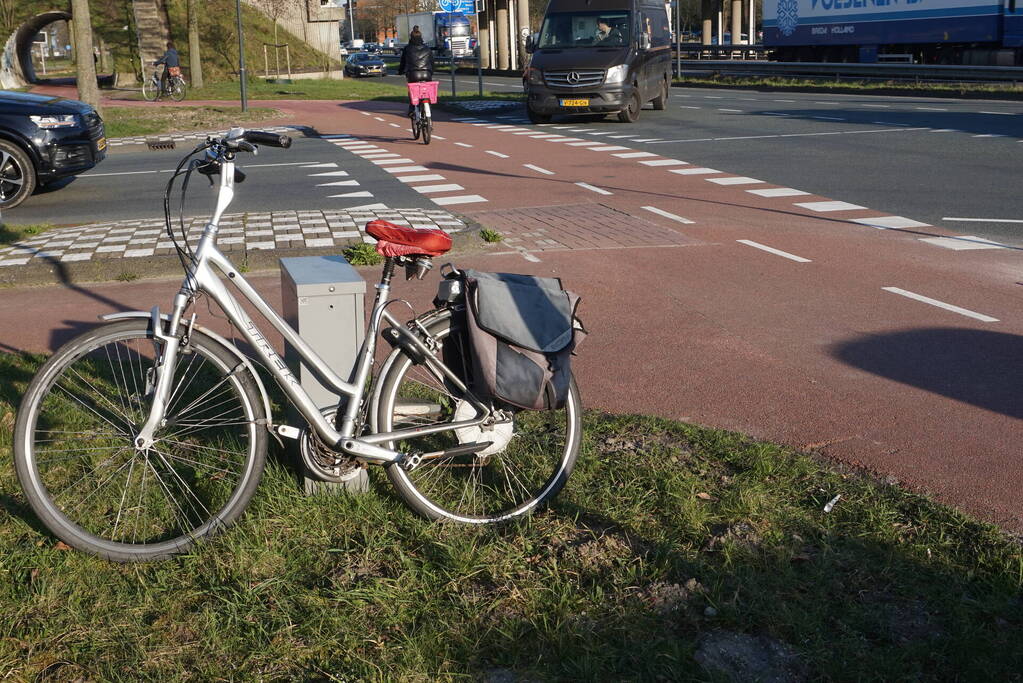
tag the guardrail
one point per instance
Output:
(835, 71)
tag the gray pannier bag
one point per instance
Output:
(522, 332)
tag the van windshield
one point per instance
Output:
(585, 29)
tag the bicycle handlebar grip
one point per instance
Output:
(269, 139)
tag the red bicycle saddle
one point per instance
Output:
(398, 240)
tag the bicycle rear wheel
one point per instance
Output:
(530, 458)
(416, 124)
(75, 456)
(427, 129)
(177, 89)
(150, 89)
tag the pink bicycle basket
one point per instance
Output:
(425, 90)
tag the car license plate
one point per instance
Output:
(575, 103)
(101, 144)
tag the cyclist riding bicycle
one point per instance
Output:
(171, 65)
(416, 61)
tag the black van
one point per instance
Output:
(598, 56)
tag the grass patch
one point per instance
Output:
(9, 234)
(362, 254)
(489, 235)
(128, 121)
(1010, 91)
(127, 276)
(666, 533)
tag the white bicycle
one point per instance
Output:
(150, 431)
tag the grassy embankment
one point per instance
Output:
(667, 534)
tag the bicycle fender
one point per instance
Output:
(231, 348)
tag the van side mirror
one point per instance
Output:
(531, 43)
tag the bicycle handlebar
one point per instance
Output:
(260, 137)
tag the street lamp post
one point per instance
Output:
(241, 57)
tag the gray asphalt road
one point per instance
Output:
(130, 184)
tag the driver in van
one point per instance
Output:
(608, 34)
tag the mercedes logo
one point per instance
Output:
(573, 77)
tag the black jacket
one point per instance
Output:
(416, 62)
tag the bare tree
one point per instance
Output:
(194, 56)
(88, 90)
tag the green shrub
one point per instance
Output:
(489, 235)
(362, 254)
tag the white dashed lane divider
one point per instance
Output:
(941, 304)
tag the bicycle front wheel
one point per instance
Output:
(417, 123)
(529, 459)
(177, 89)
(427, 130)
(150, 89)
(75, 455)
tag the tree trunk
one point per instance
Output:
(88, 90)
(194, 57)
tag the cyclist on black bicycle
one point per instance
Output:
(171, 66)
(416, 61)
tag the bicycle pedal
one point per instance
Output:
(411, 462)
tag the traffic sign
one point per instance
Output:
(462, 6)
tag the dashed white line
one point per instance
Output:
(427, 189)
(963, 243)
(497, 154)
(665, 162)
(931, 109)
(693, 171)
(352, 194)
(667, 214)
(419, 178)
(586, 143)
(607, 148)
(890, 222)
(982, 220)
(999, 113)
(591, 188)
(633, 155)
(460, 199)
(462, 144)
(329, 173)
(406, 169)
(734, 180)
(391, 162)
(772, 250)
(778, 192)
(941, 304)
(338, 182)
(731, 111)
(538, 169)
(829, 206)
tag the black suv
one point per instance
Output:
(43, 138)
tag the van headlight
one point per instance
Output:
(534, 76)
(616, 74)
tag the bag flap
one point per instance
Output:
(538, 318)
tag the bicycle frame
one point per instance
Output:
(201, 276)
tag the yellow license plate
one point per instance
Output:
(101, 144)
(575, 103)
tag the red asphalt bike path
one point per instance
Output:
(703, 328)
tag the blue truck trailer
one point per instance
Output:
(976, 32)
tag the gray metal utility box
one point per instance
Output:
(324, 301)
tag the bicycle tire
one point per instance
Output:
(439, 489)
(177, 89)
(416, 125)
(427, 130)
(150, 89)
(86, 404)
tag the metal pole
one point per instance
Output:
(351, 23)
(678, 39)
(241, 57)
(479, 66)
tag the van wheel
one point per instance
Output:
(537, 117)
(661, 101)
(17, 175)
(631, 113)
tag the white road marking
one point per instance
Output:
(329, 173)
(329, 164)
(774, 113)
(825, 102)
(945, 130)
(890, 222)
(630, 135)
(688, 107)
(544, 136)
(591, 188)
(378, 118)
(633, 155)
(607, 148)
(733, 111)
(335, 136)
(365, 113)
(420, 178)
(1000, 113)
(367, 207)
(406, 169)
(879, 106)
(735, 180)
(665, 162)
(795, 135)
(438, 137)
(462, 144)
(772, 250)
(931, 109)
(941, 304)
(497, 154)
(587, 143)
(666, 214)
(645, 139)
(963, 243)
(990, 135)
(395, 125)
(601, 132)
(338, 182)
(380, 155)
(784, 100)
(982, 220)
(693, 171)
(303, 164)
(829, 206)
(459, 199)
(352, 194)
(538, 169)
(778, 192)
(427, 189)
(387, 162)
